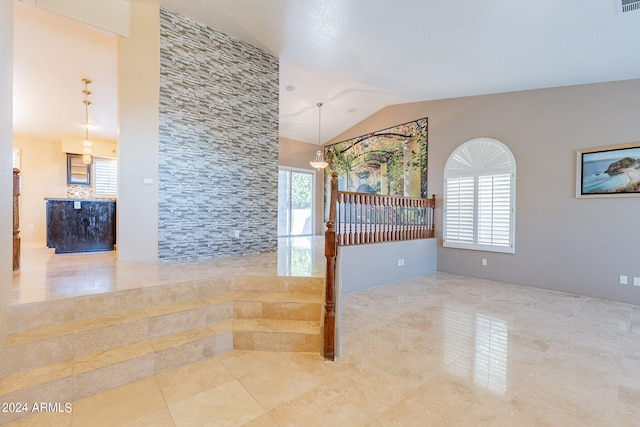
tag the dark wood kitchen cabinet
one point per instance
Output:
(81, 225)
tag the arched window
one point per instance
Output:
(480, 196)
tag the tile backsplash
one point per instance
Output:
(80, 191)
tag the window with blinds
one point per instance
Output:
(459, 207)
(479, 205)
(106, 176)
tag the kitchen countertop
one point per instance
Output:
(71, 199)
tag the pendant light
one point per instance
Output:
(86, 143)
(319, 162)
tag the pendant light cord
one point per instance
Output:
(319, 104)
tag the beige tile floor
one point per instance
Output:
(437, 350)
(45, 276)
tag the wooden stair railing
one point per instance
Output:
(330, 252)
(372, 218)
(362, 218)
(16, 219)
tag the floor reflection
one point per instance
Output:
(476, 346)
(490, 369)
(297, 256)
(46, 276)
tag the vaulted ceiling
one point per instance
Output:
(358, 56)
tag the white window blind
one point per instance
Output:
(459, 206)
(494, 209)
(106, 176)
(480, 197)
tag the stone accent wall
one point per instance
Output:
(218, 169)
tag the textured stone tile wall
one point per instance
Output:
(218, 169)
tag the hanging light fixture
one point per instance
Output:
(319, 162)
(86, 143)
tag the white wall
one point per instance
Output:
(6, 169)
(138, 147)
(579, 246)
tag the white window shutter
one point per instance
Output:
(459, 209)
(494, 210)
(106, 176)
(479, 200)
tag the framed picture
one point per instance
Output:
(612, 171)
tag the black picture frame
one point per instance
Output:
(609, 171)
(78, 173)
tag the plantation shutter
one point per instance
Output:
(106, 176)
(479, 200)
(459, 208)
(494, 209)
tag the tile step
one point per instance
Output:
(77, 326)
(267, 296)
(279, 284)
(161, 326)
(29, 316)
(83, 376)
(311, 311)
(277, 325)
(276, 335)
(70, 349)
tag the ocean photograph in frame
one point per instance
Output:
(611, 171)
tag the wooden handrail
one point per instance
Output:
(372, 218)
(16, 219)
(330, 251)
(361, 218)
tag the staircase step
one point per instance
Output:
(277, 310)
(276, 335)
(29, 316)
(113, 356)
(36, 376)
(279, 284)
(25, 356)
(270, 325)
(278, 296)
(103, 371)
(83, 376)
(75, 348)
(213, 309)
(166, 342)
(39, 333)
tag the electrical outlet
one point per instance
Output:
(237, 234)
(400, 262)
(636, 281)
(484, 262)
(623, 280)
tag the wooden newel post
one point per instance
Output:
(432, 231)
(330, 251)
(16, 219)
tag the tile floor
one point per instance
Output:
(45, 276)
(437, 350)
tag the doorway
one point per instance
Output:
(295, 202)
